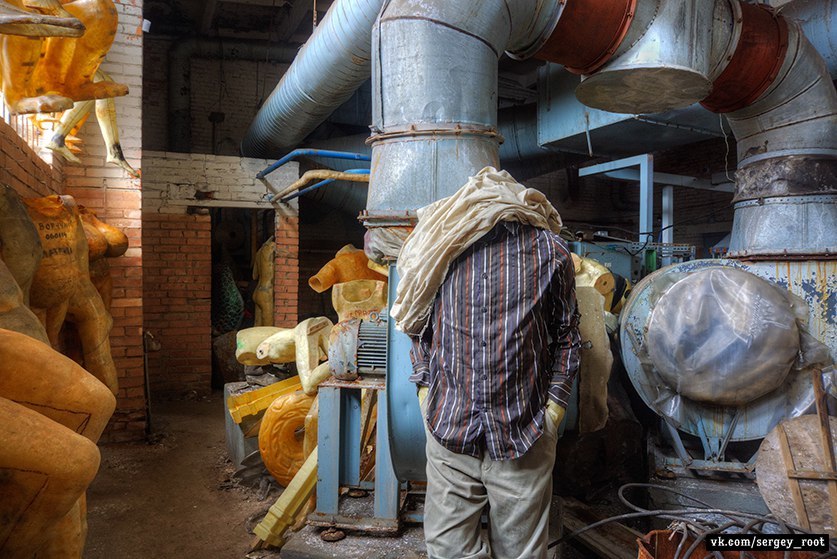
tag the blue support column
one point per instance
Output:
(387, 490)
(328, 459)
(350, 436)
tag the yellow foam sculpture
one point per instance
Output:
(49, 74)
(104, 241)
(52, 412)
(16, 21)
(264, 274)
(356, 299)
(348, 264)
(306, 345)
(62, 288)
(249, 339)
(281, 442)
(65, 134)
(69, 64)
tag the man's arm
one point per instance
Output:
(566, 341)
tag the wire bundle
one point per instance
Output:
(693, 524)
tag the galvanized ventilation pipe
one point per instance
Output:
(332, 64)
(776, 91)
(786, 185)
(180, 76)
(434, 101)
(520, 154)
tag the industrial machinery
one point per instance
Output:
(435, 123)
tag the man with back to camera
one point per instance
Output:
(494, 359)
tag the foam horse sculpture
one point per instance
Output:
(15, 21)
(62, 289)
(52, 412)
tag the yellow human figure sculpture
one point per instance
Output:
(306, 345)
(69, 64)
(62, 288)
(52, 412)
(348, 264)
(263, 273)
(356, 299)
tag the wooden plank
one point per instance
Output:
(796, 491)
(827, 442)
(611, 541)
(812, 474)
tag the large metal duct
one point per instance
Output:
(520, 154)
(777, 94)
(434, 79)
(180, 76)
(332, 64)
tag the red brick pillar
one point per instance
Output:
(286, 279)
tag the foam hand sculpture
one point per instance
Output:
(52, 412)
(263, 273)
(62, 289)
(347, 265)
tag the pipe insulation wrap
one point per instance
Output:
(796, 115)
(331, 65)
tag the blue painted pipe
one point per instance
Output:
(320, 184)
(313, 152)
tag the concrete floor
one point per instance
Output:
(172, 499)
(175, 499)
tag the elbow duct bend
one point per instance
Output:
(332, 64)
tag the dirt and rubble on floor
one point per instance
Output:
(175, 497)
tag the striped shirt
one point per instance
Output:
(502, 339)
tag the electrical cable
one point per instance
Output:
(687, 522)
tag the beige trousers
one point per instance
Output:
(518, 492)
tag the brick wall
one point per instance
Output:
(286, 268)
(24, 170)
(177, 279)
(174, 181)
(178, 262)
(115, 197)
(235, 87)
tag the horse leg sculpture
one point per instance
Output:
(16, 21)
(68, 65)
(40, 482)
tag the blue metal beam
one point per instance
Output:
(645, 162)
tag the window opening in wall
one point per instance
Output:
(237, 235)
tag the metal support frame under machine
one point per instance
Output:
(339, 447)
